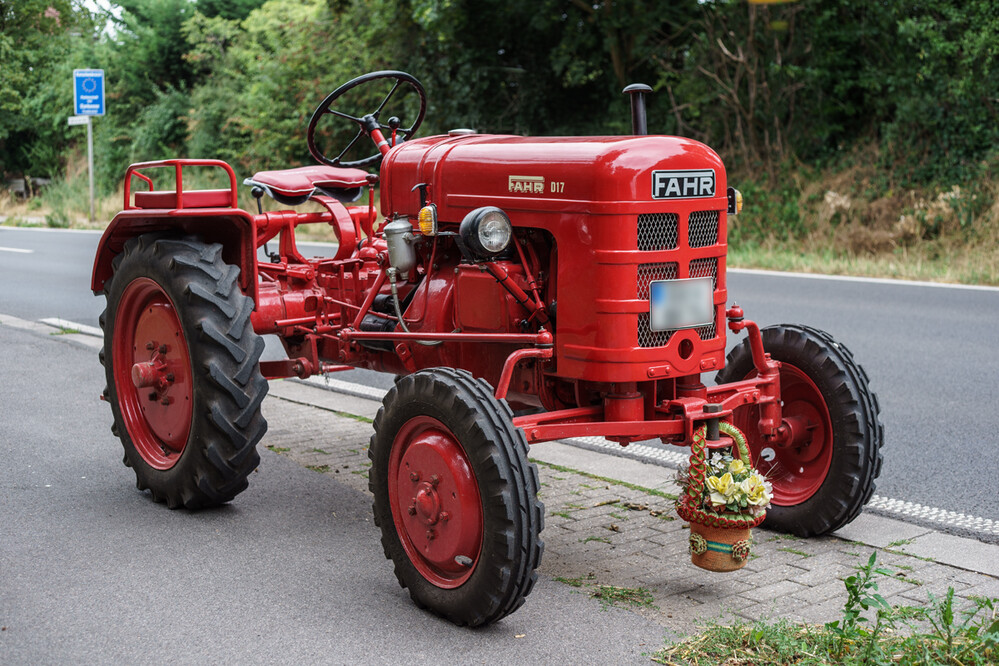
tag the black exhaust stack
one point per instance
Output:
(639, 125)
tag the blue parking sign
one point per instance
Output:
(88, 92)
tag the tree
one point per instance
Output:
(36, 37)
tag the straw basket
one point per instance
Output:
(718, 541)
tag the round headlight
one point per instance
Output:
(486, 231)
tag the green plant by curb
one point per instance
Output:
(595, 538)
(869, 631)
(612, 595)
(795, 551)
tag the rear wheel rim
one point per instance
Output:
(435, 502)
(152, 373)
(795, 472)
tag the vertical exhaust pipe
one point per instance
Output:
(639, 124)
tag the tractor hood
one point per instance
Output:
(553, 174)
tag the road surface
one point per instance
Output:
(929, 350)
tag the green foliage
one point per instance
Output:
(35, 42)
(943, 115)
(806, 79)
(765, 85)
(57, 219)
(967, 635)
(228, 9)
(862, 595)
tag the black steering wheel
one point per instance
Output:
(368, 122)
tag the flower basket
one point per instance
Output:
(722, 511)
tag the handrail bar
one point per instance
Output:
(178, 165)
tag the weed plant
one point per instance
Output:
(869, 631)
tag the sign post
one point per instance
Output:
(88, 100)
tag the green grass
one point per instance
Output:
(795, 551)
(322, 469)
(612, 595)
(278, 449)
(869, 631)
(783, 537)
(562, 514)
(595, 538)
(575, 582)
(63, 330)
(325, 453)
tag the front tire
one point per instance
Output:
(183, 375)
(823, 485)
(455, 496)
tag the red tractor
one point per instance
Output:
(521, 289)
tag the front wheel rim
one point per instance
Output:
(796, 472)
(152, 373)
(435, 502)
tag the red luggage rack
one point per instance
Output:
(176, 199)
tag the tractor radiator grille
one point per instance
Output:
(705, 268)
(649, 338)
(648, 273)
(657, 231)
(702, 228)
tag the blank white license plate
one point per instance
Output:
(677, 304)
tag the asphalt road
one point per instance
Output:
(930, 353)
(92, 571)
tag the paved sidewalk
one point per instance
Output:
(610, 522)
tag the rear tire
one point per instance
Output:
(183, 373)
(455, 496)
(824, 485)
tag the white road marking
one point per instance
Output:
(933, 514)
(15, 249)
(867, 280)
(897, 507)
(50, 230)
(73, 326)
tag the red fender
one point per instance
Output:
(231, 227)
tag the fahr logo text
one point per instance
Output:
(527, 184)
(683, 184)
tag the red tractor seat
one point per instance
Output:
(191, 199)
(294, 186)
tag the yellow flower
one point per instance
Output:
(723, 485)
(737, 466)
(717, 501)
(757, 493)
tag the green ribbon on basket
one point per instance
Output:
(739, 550)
